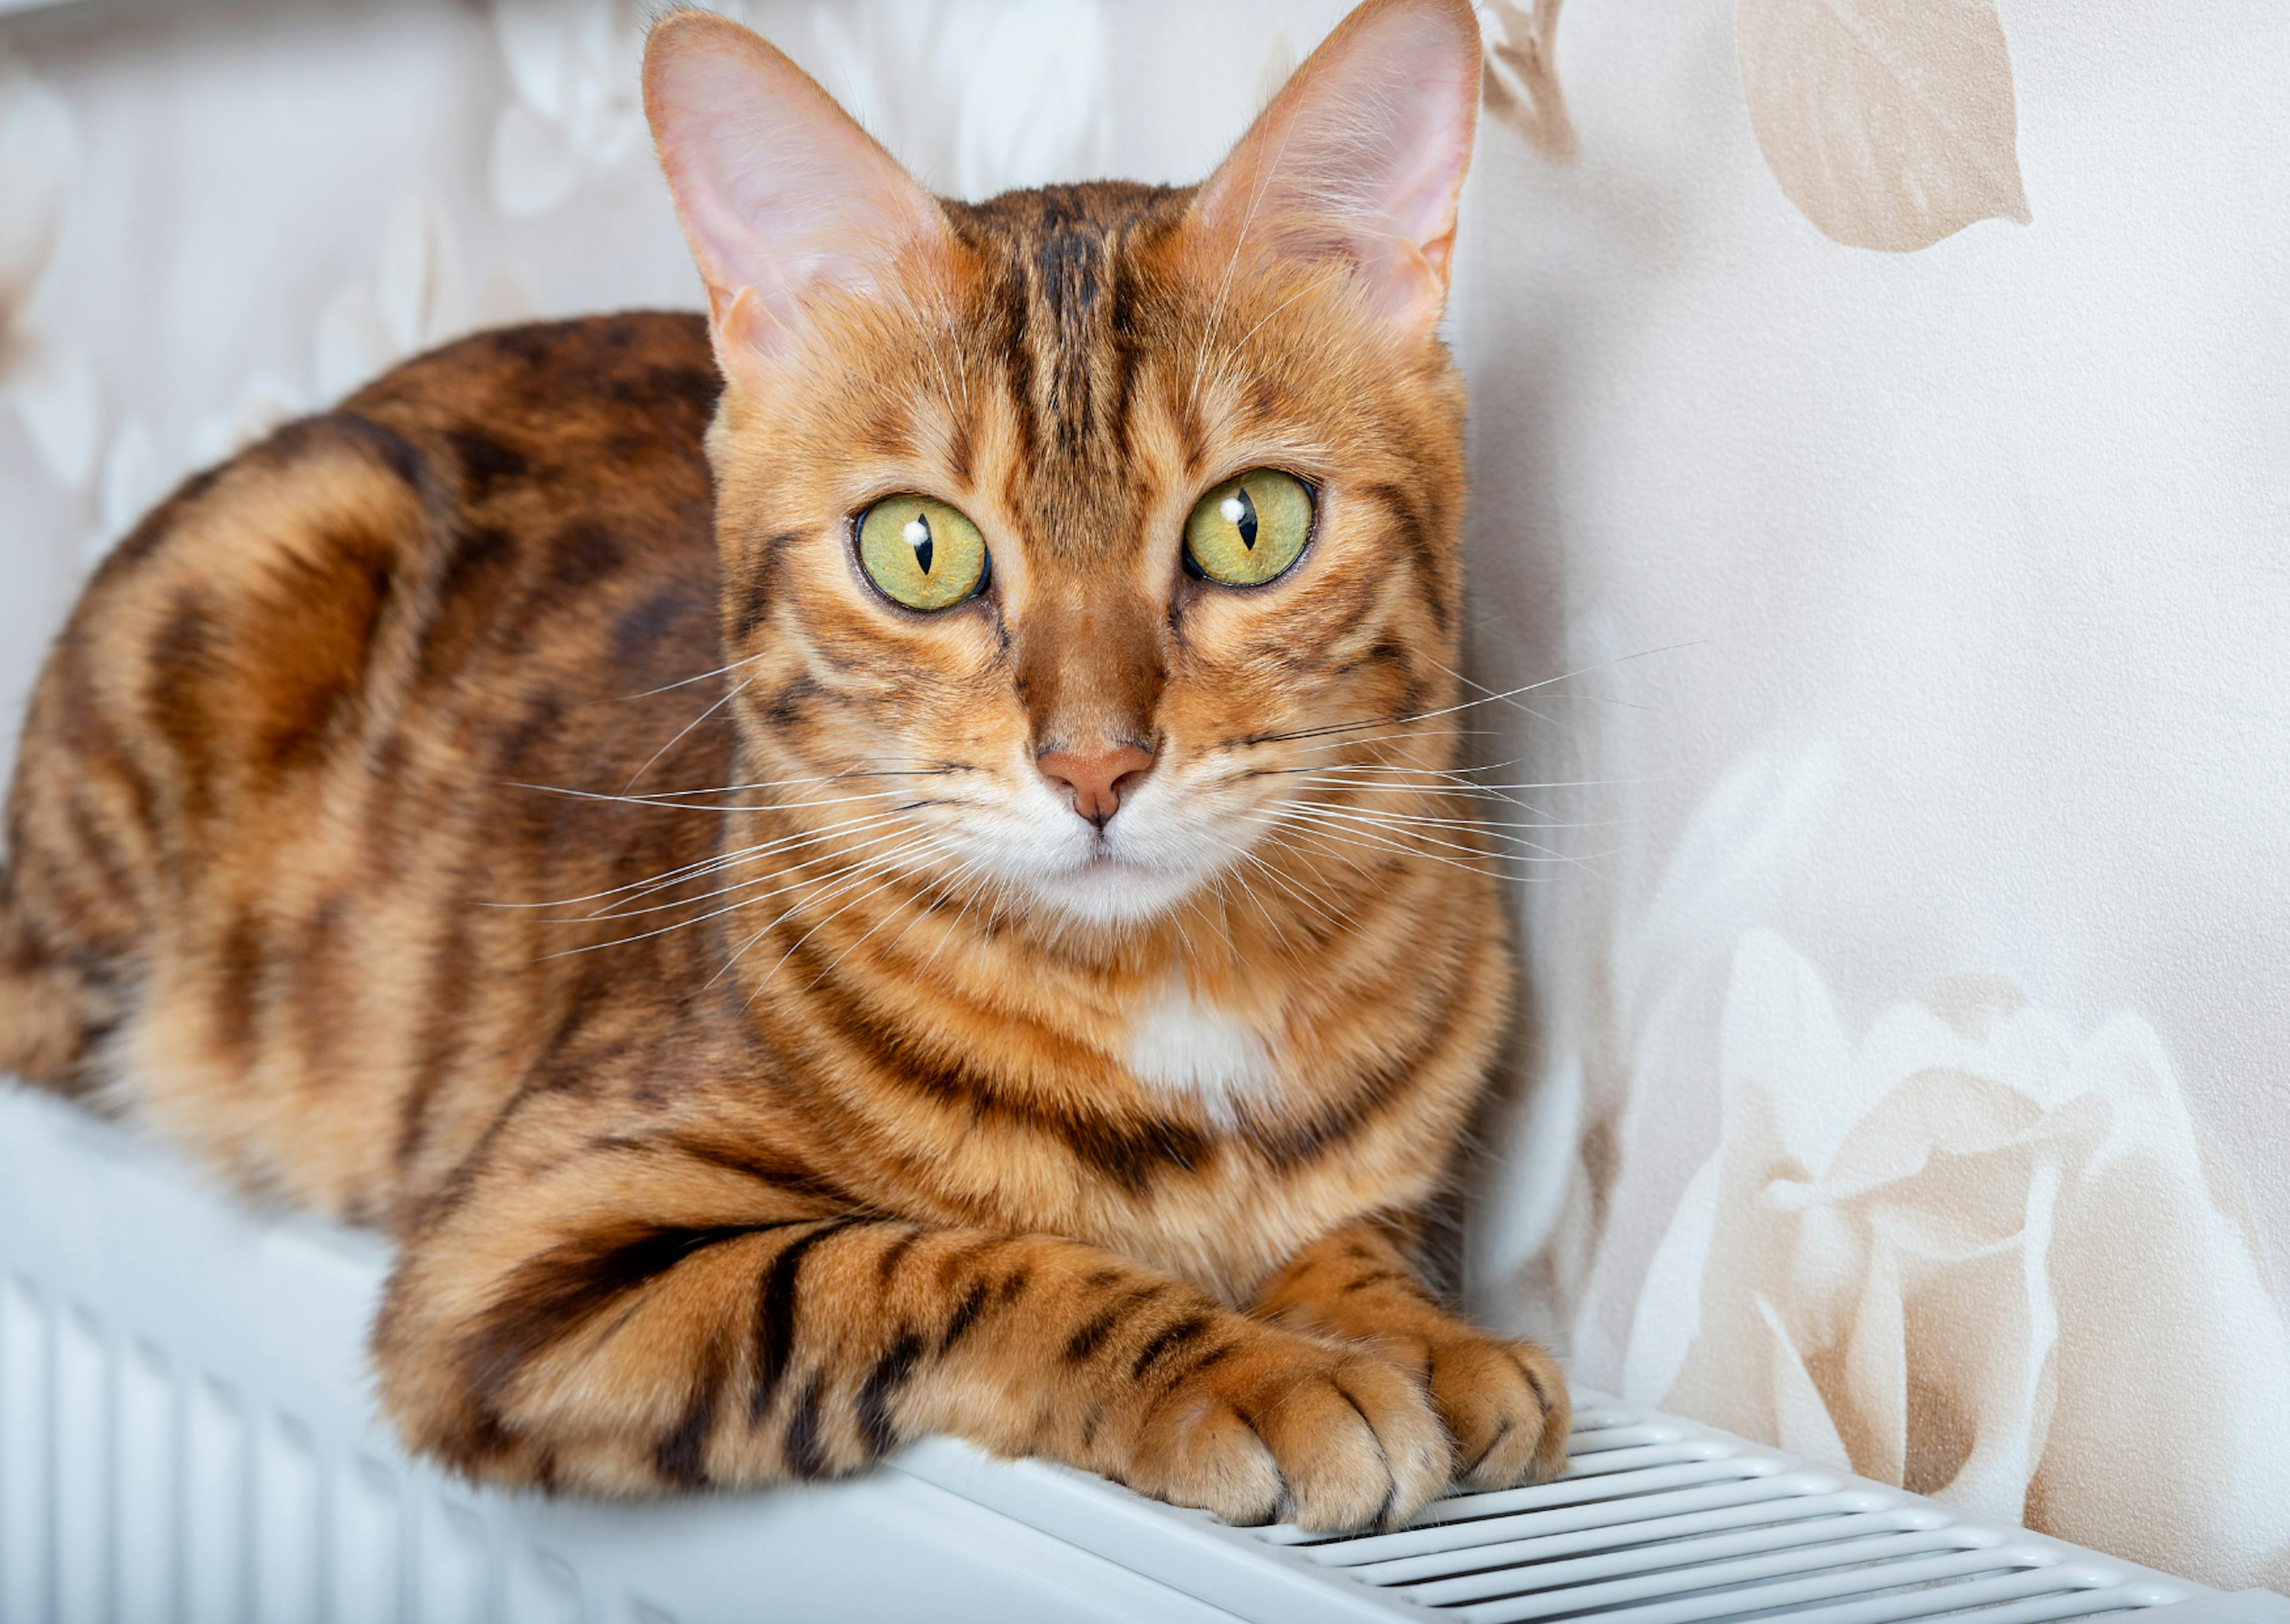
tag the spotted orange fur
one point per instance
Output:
(775, 1023)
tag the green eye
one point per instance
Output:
(921, 553)
(1250, 529)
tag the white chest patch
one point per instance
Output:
(1187, 1045)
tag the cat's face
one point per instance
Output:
(1094, 545)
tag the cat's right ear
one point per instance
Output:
(780, 193)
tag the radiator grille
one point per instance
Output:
(1657, 1522)
(186, 1434)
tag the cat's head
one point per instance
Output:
(1089, 545)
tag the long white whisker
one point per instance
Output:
(1490, 699)
(728, 695)
(889, 860)
(762, 879)
(1491, 694)
(666, 804)
(704, 866)
(1406, 828)
(685, 682)
(681, 924)
(1313, 902)
(910, 903)
(885, 884)
(784, 783)
(1370, 842)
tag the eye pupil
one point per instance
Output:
(1247, 531)
(1240, 513)
(917, 534)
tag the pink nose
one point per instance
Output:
(1098, 779)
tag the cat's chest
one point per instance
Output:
(1185, 1045)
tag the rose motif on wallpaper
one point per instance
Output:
(1521, 84)
(927, 79)
(1974, 1255)
(418, 297)
(973, 135)
(48, 381)
(578, 107)
(1890, 123)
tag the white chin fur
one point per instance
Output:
(1110, 891)
(1145, 864)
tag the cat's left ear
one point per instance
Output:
(780, 193)
(1361, 156)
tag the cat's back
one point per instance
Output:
(279, 758)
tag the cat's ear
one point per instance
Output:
(780, 193)
(1361, 156)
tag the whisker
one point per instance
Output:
(885, 884)
(691, 870)
(945, 884)
(672, 805)
(881, 861)
(784, 783)
(1312, 901)
(1492, 693)
(1370, 843)
(683, 924)
(1475, 822)
(858, 871)
(761, 879)
(1346, 744)
(728, 695)
(878, 924)
(685, 682)
(1467, 785)
(1401, 824)
(1488, 699)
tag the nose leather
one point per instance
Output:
(1096, 780)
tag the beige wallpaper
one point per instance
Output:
(1882, 419)
(1882, 458)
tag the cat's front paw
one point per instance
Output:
(1327, 1435)
(1503, 1403)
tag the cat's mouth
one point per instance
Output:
(1105, 885)
(1104, 865)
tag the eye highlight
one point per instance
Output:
(1249, 529)
(922, 553)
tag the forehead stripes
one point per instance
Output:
(1060, 282)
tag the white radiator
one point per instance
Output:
(186, 1434)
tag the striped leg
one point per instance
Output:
(1504, 1403)
(639, 1318)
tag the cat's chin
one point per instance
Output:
(1110, 893)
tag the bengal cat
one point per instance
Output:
(882, 861)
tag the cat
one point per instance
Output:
(885, 860)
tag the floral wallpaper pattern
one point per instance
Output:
(1885, 646)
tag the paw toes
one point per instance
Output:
(1418, 1457)
(1549, 1383)
(1335, 1439)
(1506, 1407)
(1209, 1456)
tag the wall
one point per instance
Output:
(1906, 1084)
(1907, 876)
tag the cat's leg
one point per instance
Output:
(75, 920)
(49, 1013)
(1504, 1402)
(636, 1318)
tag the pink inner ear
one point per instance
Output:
(778, 189)
(1363, 152)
